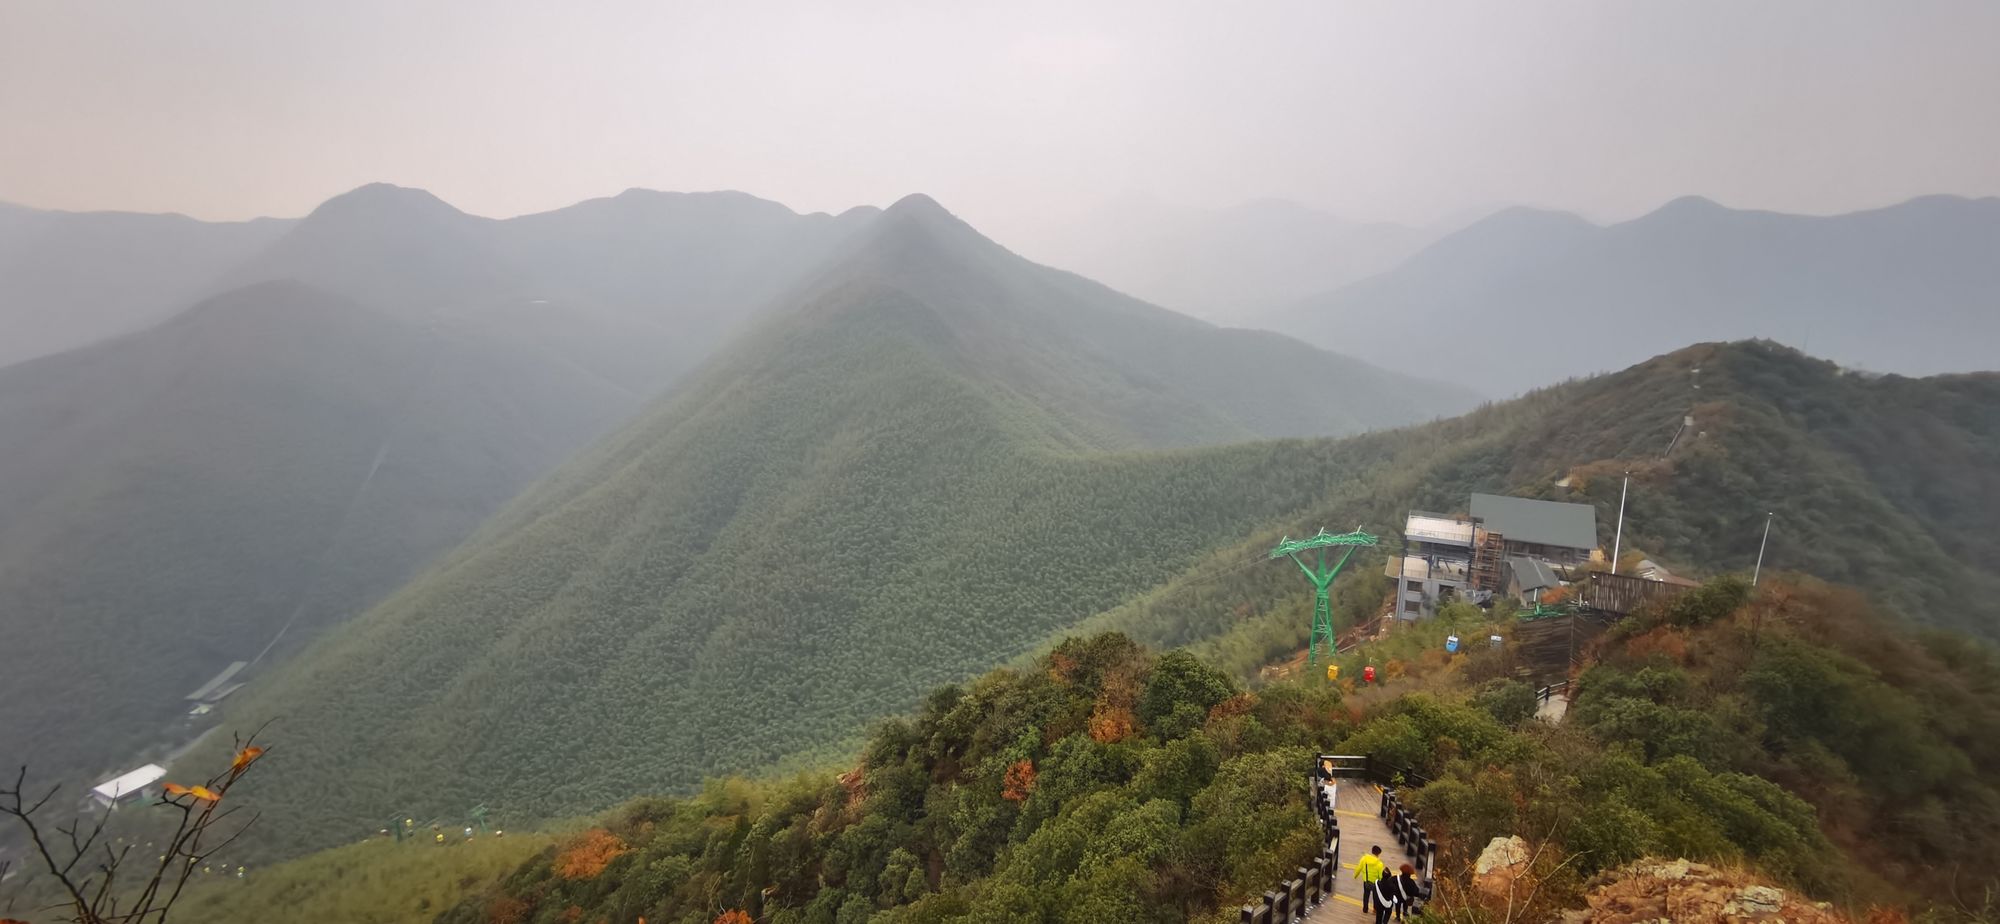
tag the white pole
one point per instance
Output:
(1618, 540)
(1759, 572)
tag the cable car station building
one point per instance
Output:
(1465, 557)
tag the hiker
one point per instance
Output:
(1407, 889)
(1388, 897)
(1370, 870)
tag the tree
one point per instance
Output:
(1179, 693)
(587, 855)
(1020, 781)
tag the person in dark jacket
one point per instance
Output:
(1408, 889)
(1388, 897)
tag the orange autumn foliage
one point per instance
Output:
(507, 910)
(1240, 704)
(245, 757)
(733, 916)
(1111, 724)
(587, 854)
(1061, 667)
(1020, 781)
(1660, 641)
(1111, 717)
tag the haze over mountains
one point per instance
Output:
(1229, 265)
(1527, 297)
(898, 478)
(722, 452)
(68, 279)
(359, 394)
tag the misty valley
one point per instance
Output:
(1084, 490)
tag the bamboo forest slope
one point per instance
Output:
(876, 494)
(384, 375)
(392, 371)
(238, 478)
(866, 500)
(775, 571)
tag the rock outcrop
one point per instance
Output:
(1691, 893)
(1500, 864)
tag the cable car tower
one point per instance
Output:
(1322, 579)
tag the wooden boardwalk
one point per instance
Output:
(1358, 804)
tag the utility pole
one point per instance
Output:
(1618, 540)
(1759, 572)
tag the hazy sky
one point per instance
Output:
(1009, 112)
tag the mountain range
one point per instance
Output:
(362, 392)
(68, 279)
(1527, 297)
(902, 477)
(661, 486)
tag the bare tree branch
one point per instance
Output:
(94, 895)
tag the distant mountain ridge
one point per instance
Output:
(385, 374)
(1911, 288)
(69, 279)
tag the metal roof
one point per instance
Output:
(1430, 527)
(1532, 573)
(1568, 526)
(130, 783)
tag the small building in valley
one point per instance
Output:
(127, 786)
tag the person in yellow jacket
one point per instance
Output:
(1370, 869)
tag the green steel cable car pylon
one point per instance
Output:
(1322, 579)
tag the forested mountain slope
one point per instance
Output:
(72, 278)
(268, 462)
(1533, 297)
(1876, 482)
(392, 370)
(283, 454)
(1101, 784)
(894, 485)
(734, 576)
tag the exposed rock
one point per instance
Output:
(1502, 862)
(1692, 893)
(1501, 852)
(1755, 900)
